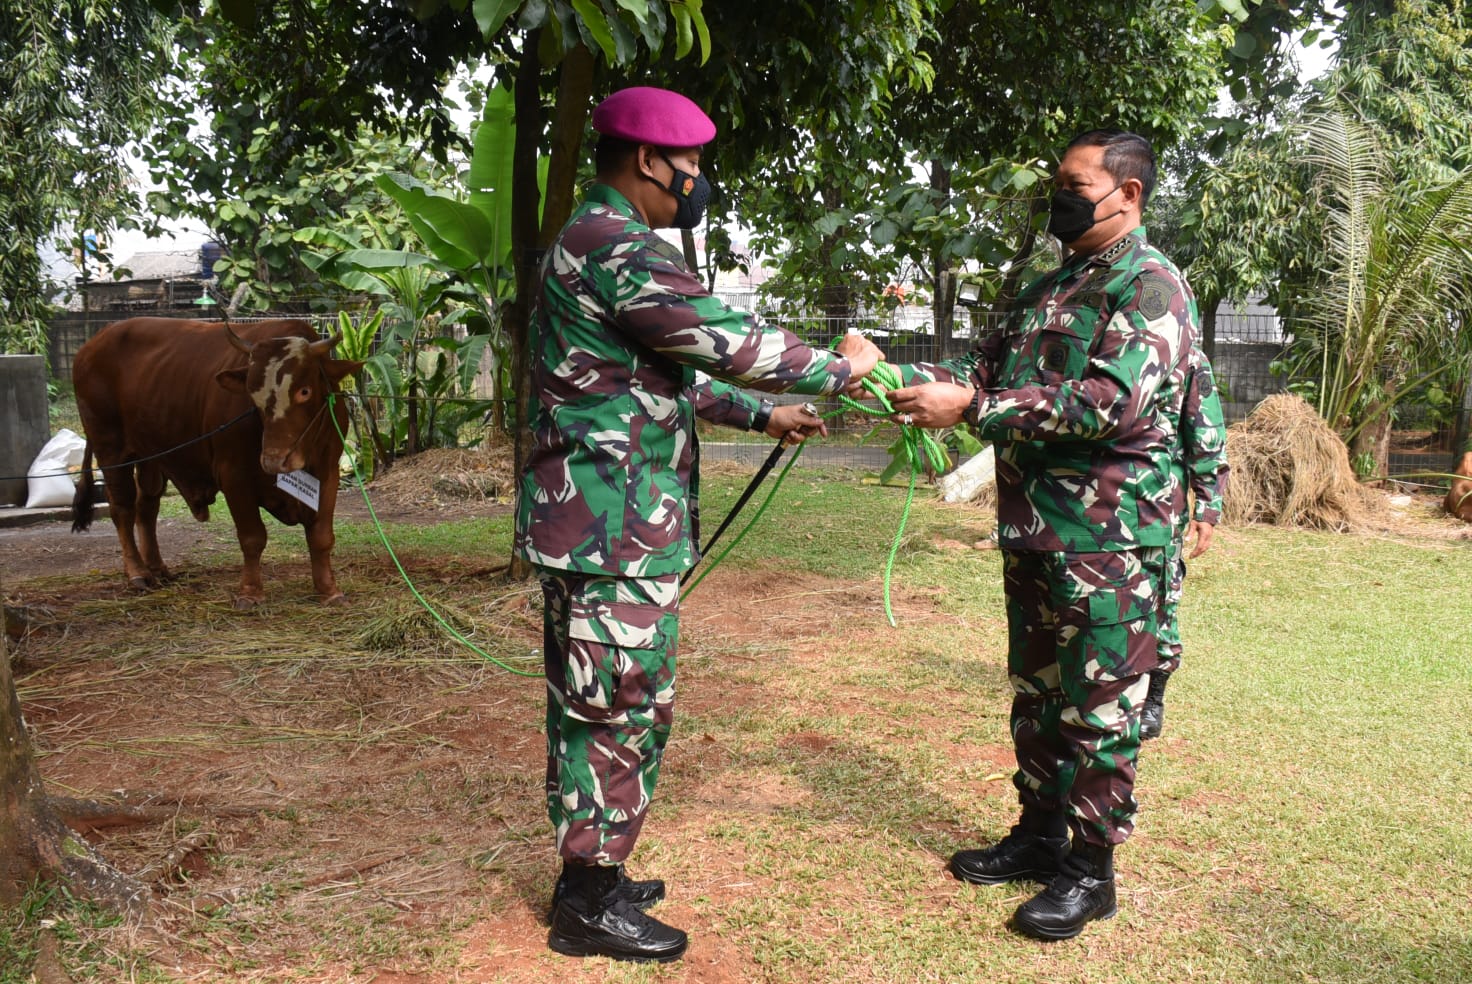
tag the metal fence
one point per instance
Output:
(1247, 343)
(67, 332)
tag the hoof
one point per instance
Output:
(338, 600)
(142, 583)
(244, 603)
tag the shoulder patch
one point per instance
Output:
(1156, 293)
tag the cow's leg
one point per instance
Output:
(320, 540)
(122, 499)
(251, 533)
(150, 492)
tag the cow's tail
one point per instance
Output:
(85, 497)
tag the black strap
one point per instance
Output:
(741, 501)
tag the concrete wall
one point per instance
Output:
(24, 422)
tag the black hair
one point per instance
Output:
(610, 153)
(1126, 155)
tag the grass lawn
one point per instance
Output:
(1304, 818)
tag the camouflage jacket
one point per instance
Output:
(620, 330)
(1203, 432)
(1081, 389)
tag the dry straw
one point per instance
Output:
(1289, 468)
(444, 476)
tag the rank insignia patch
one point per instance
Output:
(1156, 294)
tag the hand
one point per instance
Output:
(862, 354)
(1202, 533)
(931, 404)
(793, 423)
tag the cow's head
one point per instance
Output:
(288, 379)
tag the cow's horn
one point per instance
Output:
(236, 340)
(322, 346)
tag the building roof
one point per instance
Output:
(160, 265)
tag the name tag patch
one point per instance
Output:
(1055, 357)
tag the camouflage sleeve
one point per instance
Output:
(662, 306)
(721, 403)
(974, 369)
(1204, 440)
(1132, 357)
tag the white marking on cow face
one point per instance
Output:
(273, 396)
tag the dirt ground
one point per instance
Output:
(312, 801)
(341, 794)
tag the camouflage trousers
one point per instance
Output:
(1081, 643)
(1170, 629)
(609, 653)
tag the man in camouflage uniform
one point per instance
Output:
(1081, 390)
(1202, 459)
(621, 333)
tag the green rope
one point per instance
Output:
(920, 448)
(750, 523)
(362, 488)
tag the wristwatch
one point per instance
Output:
(763, 416)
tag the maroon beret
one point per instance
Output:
(646, 115)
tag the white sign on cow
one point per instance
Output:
(301, 486)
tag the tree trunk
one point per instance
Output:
(836, 298)
(942, 281)
(1012, 283)
(1372, 439)
(524, 255)
(529, 236)
(1209, 304)
(34, 843)
(692, 262)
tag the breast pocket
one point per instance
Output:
(1059, 351)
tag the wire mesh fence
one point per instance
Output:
(1247, 343)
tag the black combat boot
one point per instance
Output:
(640, 894)
(593, 920)
(1032, 850)
(1152, 712)
(1082, 892)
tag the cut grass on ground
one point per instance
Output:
(1304, 817)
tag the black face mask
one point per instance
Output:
(1072, 215)
(692, 194)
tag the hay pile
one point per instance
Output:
(1289, 468)
(443, 476)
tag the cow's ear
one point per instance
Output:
(232, 379)
(337, 369)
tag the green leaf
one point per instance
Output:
(684, 38)
(639, 8)
(459, 224)
(491, 166)
(491, 14)
(626, 46)
(596, 22)
(697, 17)
(831, 222)
(1234, 9)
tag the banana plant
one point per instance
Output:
(472, 235)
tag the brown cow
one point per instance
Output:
(1459, 496)
(150, 386)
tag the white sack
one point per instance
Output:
(44, 487)
(962, 484)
